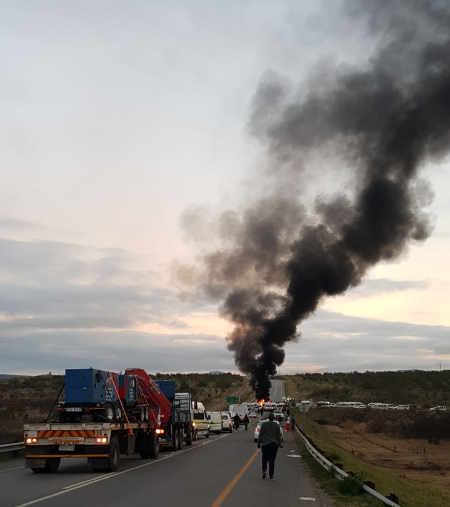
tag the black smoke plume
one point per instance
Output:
(381, 122)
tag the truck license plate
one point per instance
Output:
(66, 447)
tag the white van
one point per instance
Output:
(201, 423)
(241, 411)
(381, 406)
(215, 422)
(440, 408)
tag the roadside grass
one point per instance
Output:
(329, 484)
(411, 494)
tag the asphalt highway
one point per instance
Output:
(277, 390)
(224, 470)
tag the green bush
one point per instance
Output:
(334, 457)
(351, 485)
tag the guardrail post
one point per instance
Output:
(392, 496)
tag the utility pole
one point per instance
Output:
(439, 363)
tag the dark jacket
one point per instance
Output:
(269, 432)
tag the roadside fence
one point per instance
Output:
(338, 473)
(15, 447)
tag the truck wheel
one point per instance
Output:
(180, 438)
(75, 418)
(114, 453)
(175, 439)
(195, 434)
(52, 464)
(189, 435)
(207, 434)
(142, 446)
(153, 445)
(39, 470)
(109, 412)
(118, 413)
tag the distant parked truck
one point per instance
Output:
(178, 429)
(107, 414)
(241, 410)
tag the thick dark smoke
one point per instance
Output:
(382, 121)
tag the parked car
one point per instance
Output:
(401, 407)
(258, 428)
(227, 422)
(252, 414)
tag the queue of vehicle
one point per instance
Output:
(374, 406)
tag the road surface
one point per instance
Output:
(277, 390)
(224, 470)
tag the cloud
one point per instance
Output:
(341, 343)
(51, 350)
(65, 305)
(47, 285)
(384, 285)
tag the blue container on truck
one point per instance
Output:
(89, 386)
(167, 387)
(91, 391)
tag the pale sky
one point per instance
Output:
(117, 117)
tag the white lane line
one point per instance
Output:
(9, 469)
(293, 456)
(307, 499)
(83, 484)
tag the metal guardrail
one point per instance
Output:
(340, 473)
(16, 446)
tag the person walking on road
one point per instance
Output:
(292, 422)
(246, 422)
(237, 421)
(270, 440)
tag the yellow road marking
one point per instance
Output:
(236, 478)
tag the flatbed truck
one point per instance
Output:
(101, 443)
(135, 417)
